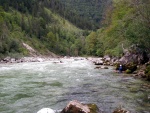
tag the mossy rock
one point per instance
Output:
(128, 71)
(148, 76)
(147, 72)
(117, 66)
(147, 69)
(93, 108)
(77, 107)
(131, 66)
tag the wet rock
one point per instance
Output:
(98, 67)
(105, 67)
(77, 107)
(135, 72)
(101, 67)
(121, 110)
(141, 73)
(98, 62)
(12, 60)
(107, 58)
(7, 59)
(93, 108)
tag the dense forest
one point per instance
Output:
(39, 25)
(89, 11)
(73, 27)
(126, 22)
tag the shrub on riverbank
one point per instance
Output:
(147, 72)
(128, 71)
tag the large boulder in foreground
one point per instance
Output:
(77, 107)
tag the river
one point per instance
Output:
(29, 87)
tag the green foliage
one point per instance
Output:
(93, 108)
(44, 25)
(147, 72)
(91, 41)
(127, 23)
(128, 71)
(86, 14)
(39, 27)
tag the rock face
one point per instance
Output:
(134, 55)
(76, 107)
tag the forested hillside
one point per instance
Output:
(38, 24)
(70, 27)
(90, 11)
(126, 22)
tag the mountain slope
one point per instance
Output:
(91, 11)
(42, 29)
(126, 23)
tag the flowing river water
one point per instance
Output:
(29, 87)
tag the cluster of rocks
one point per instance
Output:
(103, 63)
(23, 59)
(77, 107)
(106, 60)
(134, 61)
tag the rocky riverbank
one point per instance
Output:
(78, 107)
(134, 61)
(24, 59)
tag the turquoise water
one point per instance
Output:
(29, 87)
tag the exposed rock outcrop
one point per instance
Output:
(134, 55)
(77, 107)
(132, 58)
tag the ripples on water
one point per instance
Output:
(28, 87)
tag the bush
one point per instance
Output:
(148, 76)
(147, 72)
(99, 52)
(128, 71)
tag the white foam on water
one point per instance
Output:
(46, 110)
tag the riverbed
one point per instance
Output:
(29, 87)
